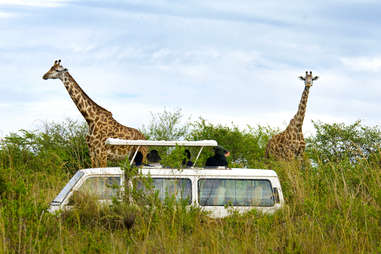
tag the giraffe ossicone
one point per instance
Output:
(290, 143)
(100, 121)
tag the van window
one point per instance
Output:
(101, 187)
(180, 188)
(66, 190)
(236, 192)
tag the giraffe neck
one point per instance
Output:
(298, 119)
(84, 103)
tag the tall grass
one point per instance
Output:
(331, 207)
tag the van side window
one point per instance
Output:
(236, 192)
(101, 187)
(180, 188)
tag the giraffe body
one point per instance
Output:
(290, 143)
(100, 121)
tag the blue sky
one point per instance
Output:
(226, 61)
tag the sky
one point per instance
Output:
(225, 61)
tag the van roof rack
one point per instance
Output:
(139, 143)
(129, 142)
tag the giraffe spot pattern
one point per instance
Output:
(290, 143)
(100, 121)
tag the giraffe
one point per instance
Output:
(100, 121)
(290, 144)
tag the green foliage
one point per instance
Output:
(90, 214)
(174, 159)
(333, 206)
(58, 145)
(166, 126)
(338, 141)
(247, 147)
(3, 184)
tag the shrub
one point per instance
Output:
(247, 147)
(333, 206)
(338, 141)
(58, 145)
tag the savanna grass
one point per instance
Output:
(330, 207)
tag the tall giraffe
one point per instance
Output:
(290, 144)
(100, 121)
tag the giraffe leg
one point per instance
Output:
(100, 157)
(93, 161)
(301, 148)
(91, 151)
(290, 155)
(268, 147)
(93, 157)
(273, 148)
(96, 158)
(103, 159)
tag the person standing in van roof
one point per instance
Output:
(219, 157)
(153, 158)
(138, 159)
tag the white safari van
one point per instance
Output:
(216, 190)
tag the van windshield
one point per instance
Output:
(236, 192)
(102, 187)
(61, 196)
(180, 188)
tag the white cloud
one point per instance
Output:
(37, 3)
(6, 14)
(136, 60)
(362, 63)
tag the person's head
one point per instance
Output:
(138, 159)
(219, 150)
(153, 156)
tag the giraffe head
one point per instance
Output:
(56, 71)
(308, 79)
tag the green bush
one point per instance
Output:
(331, 206)
(58, 145)
(247, 147)
(338, 141)
(166, 126)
